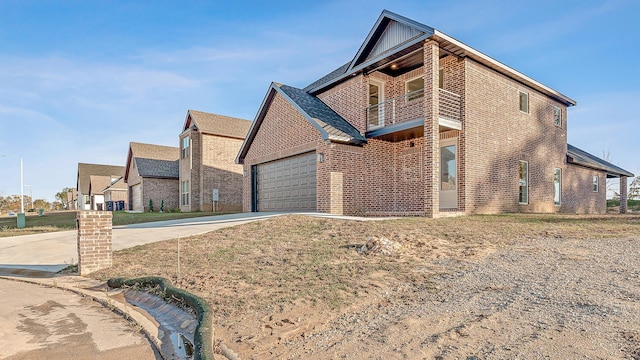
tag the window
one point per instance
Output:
(185, 148)
(524, 102)
(441, 78)
(595, 183)
(185, 192)
(448, 167)
(557, 116)
(557, 186)
(415, 88)
(87, 199)
(523, 183)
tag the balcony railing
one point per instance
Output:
(411, 106)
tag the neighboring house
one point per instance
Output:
(116, 191)
(97, 184)
(72, 199)
(86, 200)
(419, 124)
(152, 174)
(209, 178)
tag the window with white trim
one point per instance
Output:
(185, 192)
(185, 148)
(557, 116)
(596, 188)
(557, 186)
(523, 182)
(524, 102)
(414, 88)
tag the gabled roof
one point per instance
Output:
(159, 169)
(217, 124)
(331, 126)
(395, 37)
(97, 184)
(86, 170)
(160, 160)
(580, 157)
(117, 184)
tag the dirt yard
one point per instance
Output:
(479, 287)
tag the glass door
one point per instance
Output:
(448, 175)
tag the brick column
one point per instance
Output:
(623, 194)
(94, 240)
(431, 132)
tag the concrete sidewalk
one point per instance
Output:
(54, 251)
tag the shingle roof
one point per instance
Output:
(336, 126)
(219, 124)
(583, 158)
(153, 168)
(151, 151)
(361, 63)
(117, 184)
(86, 170)
(98, 183)
(329, 77)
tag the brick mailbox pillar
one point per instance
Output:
(94, 240)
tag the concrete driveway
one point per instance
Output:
(50, 252)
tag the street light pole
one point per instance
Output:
(21, 186)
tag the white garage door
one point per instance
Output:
(136, 197)
(288, 184)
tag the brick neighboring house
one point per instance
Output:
(209, 144)
(152, 174)
(419, 124)
(86, 199)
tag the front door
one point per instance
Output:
(375, 115)
(448, 174)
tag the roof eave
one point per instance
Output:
(468, 51)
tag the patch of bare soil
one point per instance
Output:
(488, 287)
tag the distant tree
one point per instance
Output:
(62, 197)
(634, 189)
(42, 204)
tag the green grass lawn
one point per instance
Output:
(66, 220)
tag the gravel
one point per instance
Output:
(544, 298)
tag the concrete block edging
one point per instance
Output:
(203, 337)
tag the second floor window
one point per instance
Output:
(524, 102)
(557, 116)
(415, 88)
(185, 148)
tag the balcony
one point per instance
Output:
(406, 112)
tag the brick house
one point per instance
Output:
(152, 174)
(209, 178)
(92, 198)
(419, 124)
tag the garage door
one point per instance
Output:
(136, 197)
(288, 184)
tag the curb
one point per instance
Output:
(203, 337)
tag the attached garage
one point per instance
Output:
(136, 197)
(287, 184)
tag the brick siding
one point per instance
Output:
(577, 191)
(94, 241)
(158, 190)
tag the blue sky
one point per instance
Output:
(79, 80)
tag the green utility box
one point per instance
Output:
(40, 212)
(21, 221)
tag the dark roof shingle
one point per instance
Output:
(153, 168)
(583, 158)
